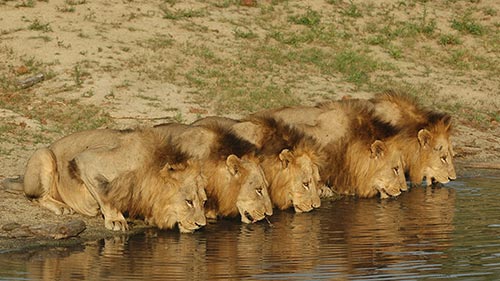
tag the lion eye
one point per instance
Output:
(306, 185)
(395, 170)
(189, 203)
(259, 191)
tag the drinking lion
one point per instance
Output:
(112, 172)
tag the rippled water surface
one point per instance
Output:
(427, 233)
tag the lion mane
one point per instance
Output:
(291, 161)
(362, 162)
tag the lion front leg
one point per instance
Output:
(94, 180)
(40, 181)
(114, 219)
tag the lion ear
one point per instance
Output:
(424, 137)
(233, 164)
(286, 156)
(165, 171)
(378, 149)
(447, 122)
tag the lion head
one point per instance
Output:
(427, 153)
(366, 171)
(436, 157)
(174, 195)
(387, 168)
(239, 187)
(294, 179)
(186, 206)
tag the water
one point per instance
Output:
(425, 234)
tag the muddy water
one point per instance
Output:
(427, 233)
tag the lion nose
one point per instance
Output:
(199, 224)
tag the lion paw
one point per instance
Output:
(66, 211)
(116, 225)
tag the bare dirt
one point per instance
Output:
(133, 60)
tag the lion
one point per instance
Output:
(289, 158)
(111, 172)
(359, 160)
(236, 184)
(425, 138)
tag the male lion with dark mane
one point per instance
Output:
(359, 160)
(289, 158)
(235, 181)
(424, 139)
(111, 171)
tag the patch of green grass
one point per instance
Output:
(226, 3)
(178, 117)
(309, 18)
(148, 98)
(38, 26)
(63, 116)
(202, 51)
(490, 11)
(43, 38)
(376, 40)
(66, 9)
(449, 39)
(244, 34)
(77, 75)
(467, 24)
(181, 13)
(292, 38)
(159, 41)
(352, 10)
(395, 52)
(355, 66)
(26, 4)
(75, 2)
(459, 59)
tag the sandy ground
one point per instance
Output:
(111, 44)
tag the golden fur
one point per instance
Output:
(359, 161)
(289, 158)
(110, 171)
(424, 139)
(235, 181)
